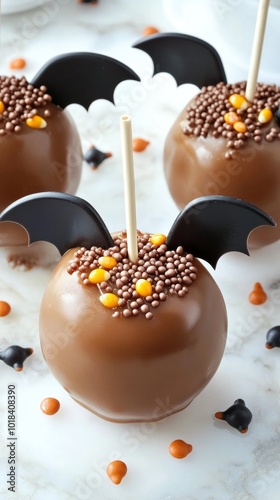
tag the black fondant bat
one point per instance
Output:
(82, 77)
(237, 415)
(188, 59)
(208, 227)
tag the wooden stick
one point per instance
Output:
(129, 187)
(256, 50)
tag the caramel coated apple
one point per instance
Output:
(148, 356)
(221, 144)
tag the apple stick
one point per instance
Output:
(129, 188)
(256, 50)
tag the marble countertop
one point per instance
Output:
(64, 456)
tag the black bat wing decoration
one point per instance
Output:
(188, 59)
(82, 77)
(208, 227)
(211, 226)
(64, 220)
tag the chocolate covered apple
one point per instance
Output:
(223, 142)
(39, 142)
(134, 341)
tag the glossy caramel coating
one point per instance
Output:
(196, 166)
(132, 369)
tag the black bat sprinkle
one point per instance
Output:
(237, 415)
(15, 356)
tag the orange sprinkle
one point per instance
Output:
(116, 471)
(179, 448)
(98, 275)
(238, 101)
(4, 308)
(109, 300)
(265, 115)
(18, 63)
(150, 30)
(219, 415)
(157, 239)
(107, 261)
(2, 107)
(36, 122)
(240, 127)
(139, 144)
(231, 117)
(50, 406)
(257, 295)
(143, 287)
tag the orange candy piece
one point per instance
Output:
(238, 101)
(4, 308)
(143, 287)
(98, 275)
(231, 117)
(116, 471)
(18, 63)
(240, 127)
(265, 115)
(107, 261)
(257, 295)
(179, 448)
(158, 239)
(36, 122)
(109, 300)
(150, 30)
(139, 144)
(50, 406)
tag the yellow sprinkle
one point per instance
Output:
(107, 262)
(109, 300)
(157, 239)
(36, 122)
(231, 117)
(2, 107)
(238, 101)
(265, 115)
(98, 275)
(143, 287)
(240, 127)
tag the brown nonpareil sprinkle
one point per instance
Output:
(140, 287)
(19, 100)
(208, 115)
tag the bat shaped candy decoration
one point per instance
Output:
(188, 59)
(211, 226)
(82, 77)
(208, 227)
(62, 219)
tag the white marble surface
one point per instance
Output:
(64, 457)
